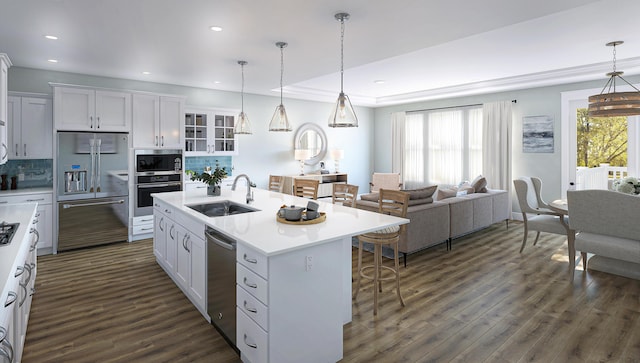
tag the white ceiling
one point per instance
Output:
(423, 49)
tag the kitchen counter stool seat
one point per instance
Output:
(394, 203)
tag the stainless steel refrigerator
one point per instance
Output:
(92, 188)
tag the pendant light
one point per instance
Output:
(342, 114)
(243, 126)
(280, 121)
(614, 103)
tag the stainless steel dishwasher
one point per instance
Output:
(221, 292)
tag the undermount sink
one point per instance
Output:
(222, 208)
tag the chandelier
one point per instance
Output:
(612, 103)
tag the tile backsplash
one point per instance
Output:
(198, 163)
(30, 173)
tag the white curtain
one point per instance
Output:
(445, 141)
(397, 142)
(413, 175)
(496, 144)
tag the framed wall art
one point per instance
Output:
(537, 134)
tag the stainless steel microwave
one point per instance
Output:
(158, 161)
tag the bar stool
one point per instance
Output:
(395, 203)
(346, 194)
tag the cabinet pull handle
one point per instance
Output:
(35, 200)
(24, 296)
(25, 149)
(17, 148)
(98, 118)
(160, 224)
(250, 260)
(5, 342)
(11, 298)
(33, 291)
(35, 231)
(171, 232)
(4, 156)
(162, 138)
(253, 286)
(254, 346)
(156, 140)
(19, 271)
(90, 121)
(146, 229)
(251, 310)
(4, 202)
(168, 211)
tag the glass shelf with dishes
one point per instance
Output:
(210, 132)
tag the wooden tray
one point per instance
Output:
(322, 218)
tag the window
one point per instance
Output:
(443, 146)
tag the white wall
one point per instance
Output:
(260, 154)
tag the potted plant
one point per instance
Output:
(213, 179)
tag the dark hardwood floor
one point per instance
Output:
(481, 302)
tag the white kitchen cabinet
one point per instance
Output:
(159, 235)
(5, 63)
(88, 109)
(157, 121)
(30, 127)
(17, 287)
(191, 265)
(141, 227)
(181, 240)
(210, 132)
(44, 216)
(165, 239)
(272, 290)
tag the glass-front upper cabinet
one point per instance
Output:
(210, 132)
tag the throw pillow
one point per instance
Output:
(372, 197)
(421, 193)
(479, 184)
(413, 202)
(445, 193)
(466, 188)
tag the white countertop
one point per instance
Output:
(261, 231)
(23, 214)
(25, 191)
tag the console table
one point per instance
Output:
(325, 188)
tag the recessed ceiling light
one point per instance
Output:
(379, 81)
(217, 82)
(146, 73)
(215, 28)
(52, 60)
(51, 37)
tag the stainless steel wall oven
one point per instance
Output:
(157, 171)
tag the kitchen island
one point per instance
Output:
(294, 281)
(17, 277)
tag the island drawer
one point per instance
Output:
(251, 306)
(252, 283)
(252, 260)
(251, 339)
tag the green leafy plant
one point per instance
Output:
(213, 178)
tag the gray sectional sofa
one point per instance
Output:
(437, 221)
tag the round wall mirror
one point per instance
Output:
(311, 137)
